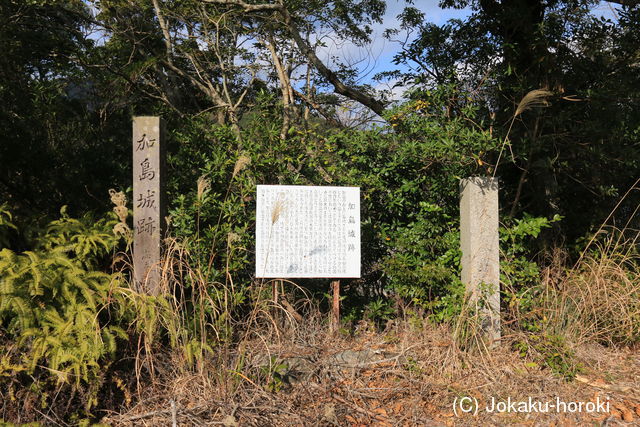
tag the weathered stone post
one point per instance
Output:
(480, 250)
(148, 202)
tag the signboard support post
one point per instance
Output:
(274, 295)
(335, 306)
(274, 291)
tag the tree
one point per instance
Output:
(53, 150)
(571, 154)
(219, 48)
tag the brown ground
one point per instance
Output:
(404, 376)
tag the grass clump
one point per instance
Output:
(599, 299)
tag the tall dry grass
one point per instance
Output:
(226, 364)
(227, 349)
(208, 330)
(534, 98)
(599, 298)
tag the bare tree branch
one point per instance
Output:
(165, 31)
(246, 6)
(339, 86)
(285, 86)
(328, 116)
(630, 3)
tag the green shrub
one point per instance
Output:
(408, 174)
(6, 226)
(55, 306)
(552, 351)
(519, 275)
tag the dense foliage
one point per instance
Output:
(542, 94)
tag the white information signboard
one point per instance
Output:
(305, 231)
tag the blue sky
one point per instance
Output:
(378, 56)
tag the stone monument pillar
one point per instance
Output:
(148, 202)
(480, 250)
